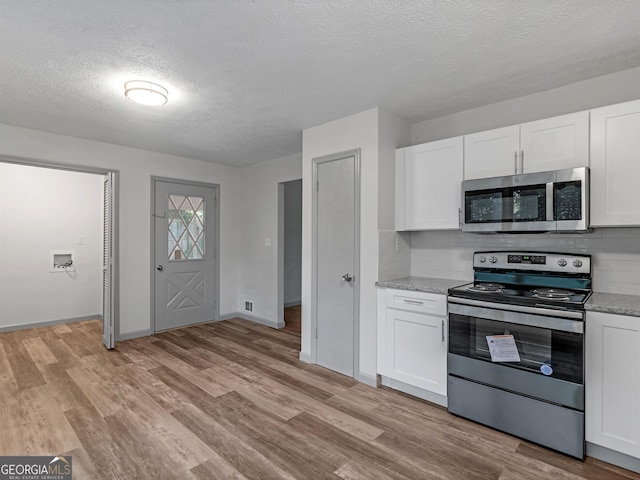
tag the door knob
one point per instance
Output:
(347, 277)
(160, 268)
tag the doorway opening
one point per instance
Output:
(58, 249)
(290, 254)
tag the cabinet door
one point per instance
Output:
(416, 349)
(615, 169)
(493, 153)
(555, 143)
(432, 179)
(612, 383)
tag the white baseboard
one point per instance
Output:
(48, 323)
(415, 391)
(613, 457)
(367, 379)
(253, 318)
(305, 357)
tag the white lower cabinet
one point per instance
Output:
(612, 409)
(412, 339)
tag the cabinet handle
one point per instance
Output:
(515, 162)
(412, 302)
(521, 161)
(442, 331)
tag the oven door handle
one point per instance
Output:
(567, 321)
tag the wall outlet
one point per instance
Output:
(248, 305)
(267, 242)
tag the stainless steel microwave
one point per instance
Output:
(556, 201)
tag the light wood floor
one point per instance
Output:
(293, 319)
(230, 400)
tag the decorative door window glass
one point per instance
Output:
(186, 236)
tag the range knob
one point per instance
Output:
(482, 259)
(562, 262)
(577, 263)
(493, 259)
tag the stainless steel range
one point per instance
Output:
(516, 346)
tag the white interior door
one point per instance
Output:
(336, 265)
(185, 254)
(107, 265)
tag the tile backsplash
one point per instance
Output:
(448, 254)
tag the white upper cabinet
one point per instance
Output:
(493, 153)
(615, 165)
(550, 144)
(555, 143)
(428, 179)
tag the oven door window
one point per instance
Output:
(516, 204)
(542, 351)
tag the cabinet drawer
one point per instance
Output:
(431, 303)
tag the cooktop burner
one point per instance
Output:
(486, 287)
(552, 293)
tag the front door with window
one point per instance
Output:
(185, 254)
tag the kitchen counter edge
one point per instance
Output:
(598, 302)
(421, 284)
(614, 303)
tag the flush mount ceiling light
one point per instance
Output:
(146, 93)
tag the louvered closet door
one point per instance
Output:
(107, 265)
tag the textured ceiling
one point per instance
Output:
(247, 76)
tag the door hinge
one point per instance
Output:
(317, 185)
(215, 201)
(460, 217)
(316, 332)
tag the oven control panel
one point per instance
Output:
(527, 259)
(533, 261)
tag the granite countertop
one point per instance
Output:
(614, 303)
(598, 302)
(421, 284)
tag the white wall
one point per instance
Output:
(136, 168)
(596, 92)
(361, 131)
(44, 210)
(257, 218)
(292, 241)
(394, 132)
